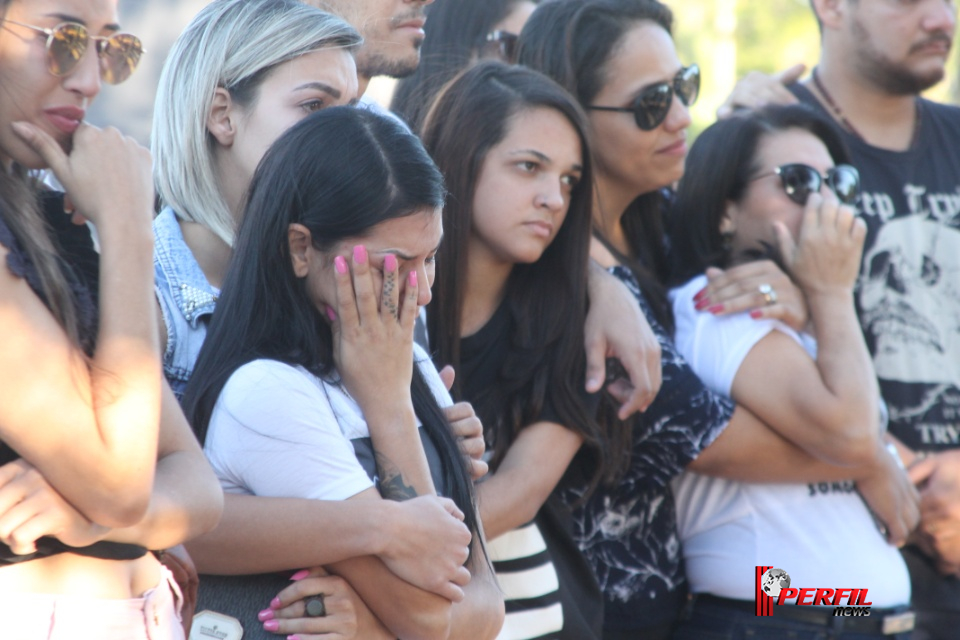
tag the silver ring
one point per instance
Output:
(315, 606)
(769, 295)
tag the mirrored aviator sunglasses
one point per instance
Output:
(118, 54)
(501, 45)
(651, 107)
(800, 180)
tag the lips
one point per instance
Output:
(678, 148)
(541, 228)
(65, 119)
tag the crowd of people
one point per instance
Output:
(509, 360)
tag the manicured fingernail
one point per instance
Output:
(271, 625)
(266, 614)
(413, 278)
(333, 318)
(390, 262)
(359, 254)
(700, 294)
(303, 573)
(756, 314)
(702, 304)
(293, 637)
(715, 309)
(340, 264)
(275, 603)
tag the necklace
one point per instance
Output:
(846, 123)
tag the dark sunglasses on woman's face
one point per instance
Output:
(800, 180)
(501, 45)
(119, 54)
(651, 107)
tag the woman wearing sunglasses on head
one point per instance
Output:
(98, 461)
(617, 57)
(754, 183)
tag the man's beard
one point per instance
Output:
(893, 78)
(378, 64)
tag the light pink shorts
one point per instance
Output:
(155, 616)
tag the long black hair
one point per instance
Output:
(338, 172)
(547, 299)
(572, 41)
(720, 165)
(456, 34)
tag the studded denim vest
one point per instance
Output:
(186, 300)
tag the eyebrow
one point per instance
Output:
(403, 256)
(320, 86)
(64, 17)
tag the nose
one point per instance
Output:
(678, 118)
(942, 17)
(424, 286)
(551, 195)
(85, 77)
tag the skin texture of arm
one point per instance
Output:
(616, 328)
(534, 464)
(105, 416)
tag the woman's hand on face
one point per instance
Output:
(346, 615)
(738, 289)
(826, 258)
(107, 175)
(30, 509)
(373, 338)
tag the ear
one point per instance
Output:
(830, 12)
(301, 244)
(728, 224)
(221, 121)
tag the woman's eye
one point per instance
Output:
(432, 259)
(570, 181)
(527, 165)
(312, 105)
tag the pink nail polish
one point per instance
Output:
(756, 314)
(293, 637)
(266, 614)
(271, 625)
(275, 603)
(700, 294)
(340, 264)
(333, 318)
(303, 573)
(390, 262)
(701, 305)
(413, 278)
(359, 254)
(715, 309)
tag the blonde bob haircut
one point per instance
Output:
(232, 44)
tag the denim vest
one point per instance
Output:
(186, 300)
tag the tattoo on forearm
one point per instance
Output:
(390, 480)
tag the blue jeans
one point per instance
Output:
(710, 621)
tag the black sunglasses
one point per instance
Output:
(800, 180)
(651, 107)
(501, 45)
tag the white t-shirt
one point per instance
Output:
(822, 535)
(279, 431)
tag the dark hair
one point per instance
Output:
(456, 34)
(572, 41)
(719, 167)
(19, 209)
(338, 172)
(547, 299)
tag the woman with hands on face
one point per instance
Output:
(241, 73)
(784, 176)
(98, 461)
(309, 384)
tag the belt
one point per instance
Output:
(880, 621)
